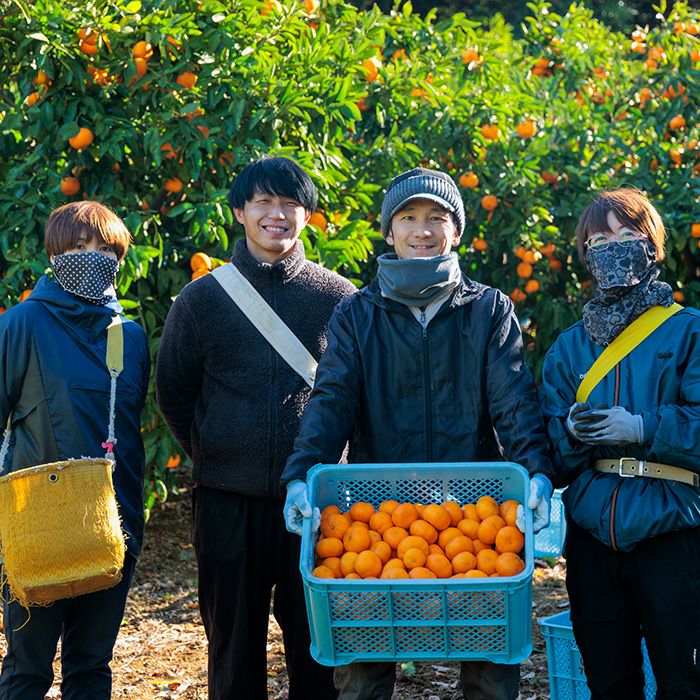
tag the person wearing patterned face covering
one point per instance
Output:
(621, 396)
(55, 388)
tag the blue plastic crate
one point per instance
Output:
(417, 619)
(550, 541)
(567, 678)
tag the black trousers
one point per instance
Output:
(243, 550)
(616, 597)
(87, 626)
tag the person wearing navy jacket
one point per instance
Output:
(629, 456)
(55, 388)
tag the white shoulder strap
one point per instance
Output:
(270, 325)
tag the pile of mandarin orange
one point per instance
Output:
(412, 540)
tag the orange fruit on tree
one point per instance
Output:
(142, 49)
(322, 572)
(187, 79)
(421, 572)
(485, 506)
(509, 564)
(524, 270)
(479, 244)
(368, 564)
(695, 230)
(334, 525)
(201, 261)
(173, 461)
(310, 6)
(678, 297)
(489, 527)
(490, 131)
(88, 34)
(31, 99)
(141, 67)
(463, 562)
(347, 563)
(469, 180)
(82, 139)
(333, 563)
(199, 273)
(329, 547)
(25, 294)
(425, 530)
(437, 516)
(411, 542)
(526, 129)
(371, 66)
(380, 521)
(388, 506)
(439, 564)
(518, 295)
(486, 561)
(462, 543)
(382, 550)
(41, 78)
(489, 202)
(413, 558)
(357, 539)
(468, 527)
(70, 185)
(270, 6)
(88, 48)
(453, 508)
(509, 539)
(318, 220)
(532, 286)
(174, 184)
(393, 536)
(677, 122)
(470, 55)
(362, 511)
(404, 514)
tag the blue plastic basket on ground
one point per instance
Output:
(567, 679)
(417, 619)
(550, 541)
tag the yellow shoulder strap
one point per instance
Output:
(115, 346)
(623, 345)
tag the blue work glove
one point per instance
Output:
(539, 503)
(609, 426)
(572, 422)
(297, 507)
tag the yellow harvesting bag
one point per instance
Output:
(60, 533)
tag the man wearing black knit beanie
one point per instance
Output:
(423, 365)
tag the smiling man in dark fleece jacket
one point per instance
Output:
(235, 405)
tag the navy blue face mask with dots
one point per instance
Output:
(87, 275)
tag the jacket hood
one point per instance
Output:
(79, 318)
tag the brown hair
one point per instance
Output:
(632, 208)
(69, 223)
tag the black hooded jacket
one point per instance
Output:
(458, 390)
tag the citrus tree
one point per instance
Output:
(152, 108)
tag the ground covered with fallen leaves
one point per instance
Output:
(161, 650)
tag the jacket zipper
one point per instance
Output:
(613, 502)
(428, 396)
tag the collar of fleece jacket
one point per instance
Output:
(283, 270)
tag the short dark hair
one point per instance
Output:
(276, 176)
(631, 208)
(67, 224)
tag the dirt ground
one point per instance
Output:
(161, 650)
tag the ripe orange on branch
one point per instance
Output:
(469, 180)
(489, 202)
(82, 139)
(200, 261)
(70, 185)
